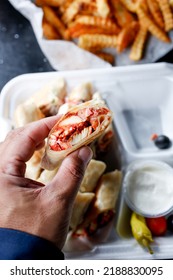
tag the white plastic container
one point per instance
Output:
(145, 92)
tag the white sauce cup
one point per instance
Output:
(148, 188)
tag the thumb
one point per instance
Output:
(70, 174)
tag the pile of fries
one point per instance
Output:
(98, 25)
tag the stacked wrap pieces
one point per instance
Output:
(85, 118)
(103, 205)
(78, 127)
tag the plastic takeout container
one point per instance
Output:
(141, 98)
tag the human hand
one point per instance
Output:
(28, 205)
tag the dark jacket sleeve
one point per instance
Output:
(18, 245)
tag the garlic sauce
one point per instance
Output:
(149, 188)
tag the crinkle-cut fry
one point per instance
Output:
(65, 6)
(127, 35)
(52, 3)
(167, 14)
(73, 10)
(97, 41)
(137, 48)
(80, 29)
(88, 9)
(171, 3)
(49, 32)
(156, 12)
(142, 4)
(130, 5)
(120, 12)
(152, 27)
(103, 8)
(105, 23)
(105, 56)
(51, 17)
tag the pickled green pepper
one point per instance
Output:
(140, 231)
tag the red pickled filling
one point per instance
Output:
(62, 136)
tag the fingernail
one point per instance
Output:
(85, 154)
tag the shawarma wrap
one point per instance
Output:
(78, 127)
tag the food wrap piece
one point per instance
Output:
(92, 174)
(64, 108)
(77, 128)
(33, 168)
(80, 207)
(50, 97)
(47, 175)
(43, 103)
(81, 93)
(27, 112)
(104, 141)
(97, 96)
(53, 89)
(102, 209)
(78, 95)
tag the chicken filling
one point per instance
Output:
(75, 127)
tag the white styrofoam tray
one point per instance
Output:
(141, 98)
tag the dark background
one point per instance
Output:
(19, 51)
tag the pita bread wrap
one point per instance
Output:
(78, 127)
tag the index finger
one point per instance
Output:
(21, 143)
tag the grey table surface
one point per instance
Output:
(19, 50)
